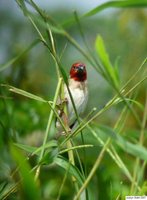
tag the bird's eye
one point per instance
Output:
(74, 67)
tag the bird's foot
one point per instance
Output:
(63, 133)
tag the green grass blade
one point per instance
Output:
(138, 104)
(104, 58)
(29, 188)
(7, 189)
(93, 169)
(26, 94)
(116, 4)
(108, 4)
(76, 147)
(36, 150)
(133, 149)
(73, 170)
(111, 151)
(49, 156)
(26, 148)
(50, 118)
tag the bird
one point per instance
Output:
(77, 84)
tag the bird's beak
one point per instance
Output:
(80, 69)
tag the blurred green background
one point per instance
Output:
(124, 32)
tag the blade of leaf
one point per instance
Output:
(29, 187)
(108, 4)
(138, 104)
(60, 161)
(25, 147)
(116, 4)
(49, 156)
(36, 150)
(26, 94)
(100, 48)
(133, 149)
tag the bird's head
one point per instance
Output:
(78, 72)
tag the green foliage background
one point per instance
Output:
(28, 65)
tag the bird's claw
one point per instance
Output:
(63, 133)
(62, 102)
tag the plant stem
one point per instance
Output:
(141, 139)
(93, 170)
(68, 143)
(48, 127)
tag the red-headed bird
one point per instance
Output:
(77, 84)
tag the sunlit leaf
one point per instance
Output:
(104, 58)
(116, 70)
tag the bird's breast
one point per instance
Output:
(79, 94)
